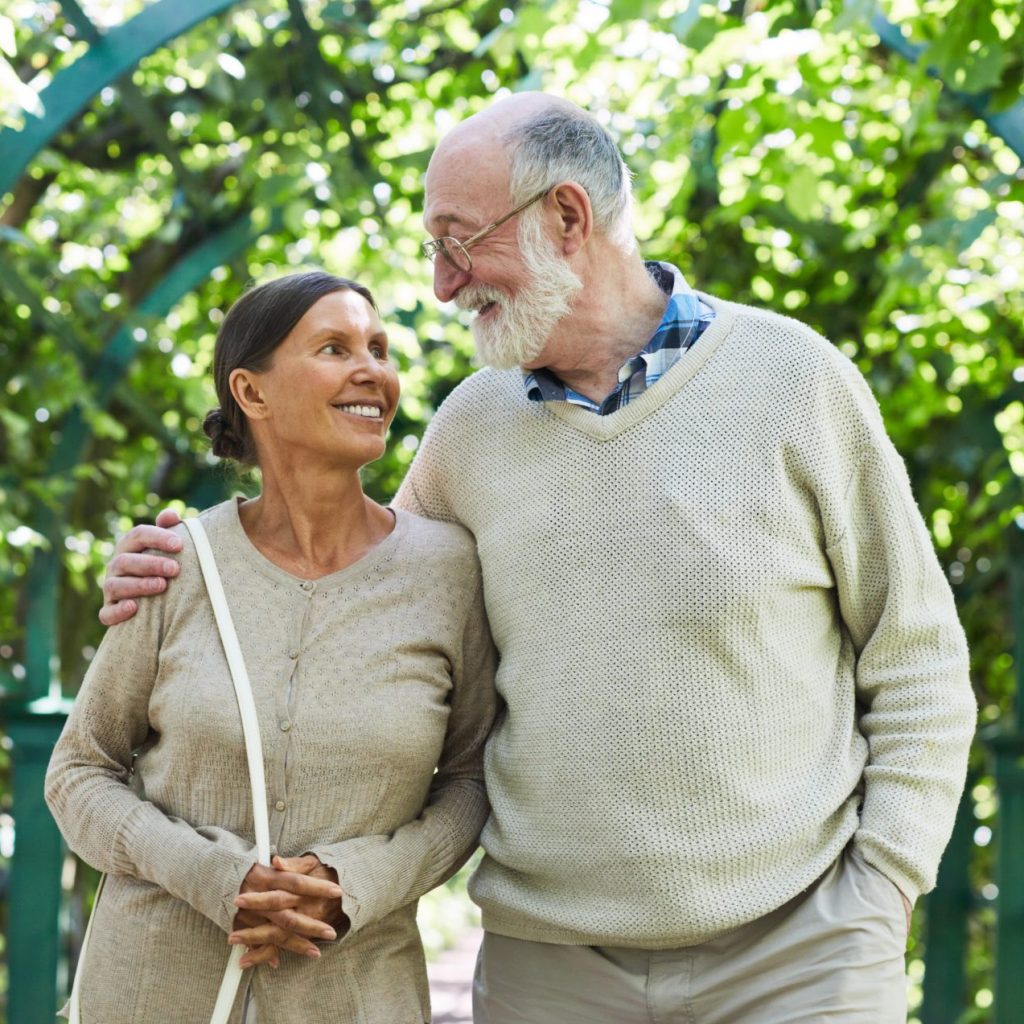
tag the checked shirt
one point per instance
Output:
(684, 322)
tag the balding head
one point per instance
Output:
(531, 141)
(504, 115)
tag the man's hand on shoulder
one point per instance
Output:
(132, 574)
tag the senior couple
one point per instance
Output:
(733, 708)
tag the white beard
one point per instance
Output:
(517, 332)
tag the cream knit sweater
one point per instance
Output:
(365, 681)
(727, 647)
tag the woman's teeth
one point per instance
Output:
(369, 411)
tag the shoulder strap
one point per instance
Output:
(243, 690)
(253, 745)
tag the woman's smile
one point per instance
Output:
(366, 412)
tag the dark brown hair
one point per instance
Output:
(250, 333)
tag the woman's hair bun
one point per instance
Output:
(225, 442)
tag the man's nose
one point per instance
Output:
(448, 279)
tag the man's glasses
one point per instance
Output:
(457, 253)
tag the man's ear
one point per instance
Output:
(245, 387)
(575, 222)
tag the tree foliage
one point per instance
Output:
(783, 156)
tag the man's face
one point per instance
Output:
(519, 285)
(512, 329)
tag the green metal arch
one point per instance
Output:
(42, 578)
(113, 55)
(1009, 124)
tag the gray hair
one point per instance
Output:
(567, 144)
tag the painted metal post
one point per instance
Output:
(34, 898)
(1008, 746)
(945, 980)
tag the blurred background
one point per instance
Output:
(856, 165)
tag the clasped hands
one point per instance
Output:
(285, 906)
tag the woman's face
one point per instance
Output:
(330, 391)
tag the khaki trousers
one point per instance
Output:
(833, 953)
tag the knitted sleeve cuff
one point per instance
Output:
(204, 867)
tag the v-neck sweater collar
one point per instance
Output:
(604, 428)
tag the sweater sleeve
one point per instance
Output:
(89, 784)
(380, 873)
(423, 490)
(912, 683)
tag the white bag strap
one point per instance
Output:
(243, 690)
(254, 755)
(253, 746)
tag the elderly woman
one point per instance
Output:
(372, 669)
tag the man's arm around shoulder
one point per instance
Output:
(135, 572)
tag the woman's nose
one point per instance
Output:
(369, 368)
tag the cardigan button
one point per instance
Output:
(279, 805)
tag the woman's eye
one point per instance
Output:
(378, 352)
(330, 350)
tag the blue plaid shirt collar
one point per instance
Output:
(685, 319)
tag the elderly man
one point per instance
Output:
(738, 708)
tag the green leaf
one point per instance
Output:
(802, 194)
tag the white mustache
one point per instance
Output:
(473, 298)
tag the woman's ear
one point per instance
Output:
(575, 222)
(245, 387)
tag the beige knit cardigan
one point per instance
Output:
(365, 681)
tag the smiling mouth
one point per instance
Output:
(366, 412)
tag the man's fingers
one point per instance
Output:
(121, 611)
(168, 518)
(129, 563)
(131, 575)
(139, 538)
(126, 588)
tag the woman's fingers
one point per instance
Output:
(271, 934)
(260, 955)
(287, 918)
(264, 879)
(305, 885)
(275, 899)
(259, 878)
(297, 923)
(300, 865)
(302, 924)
